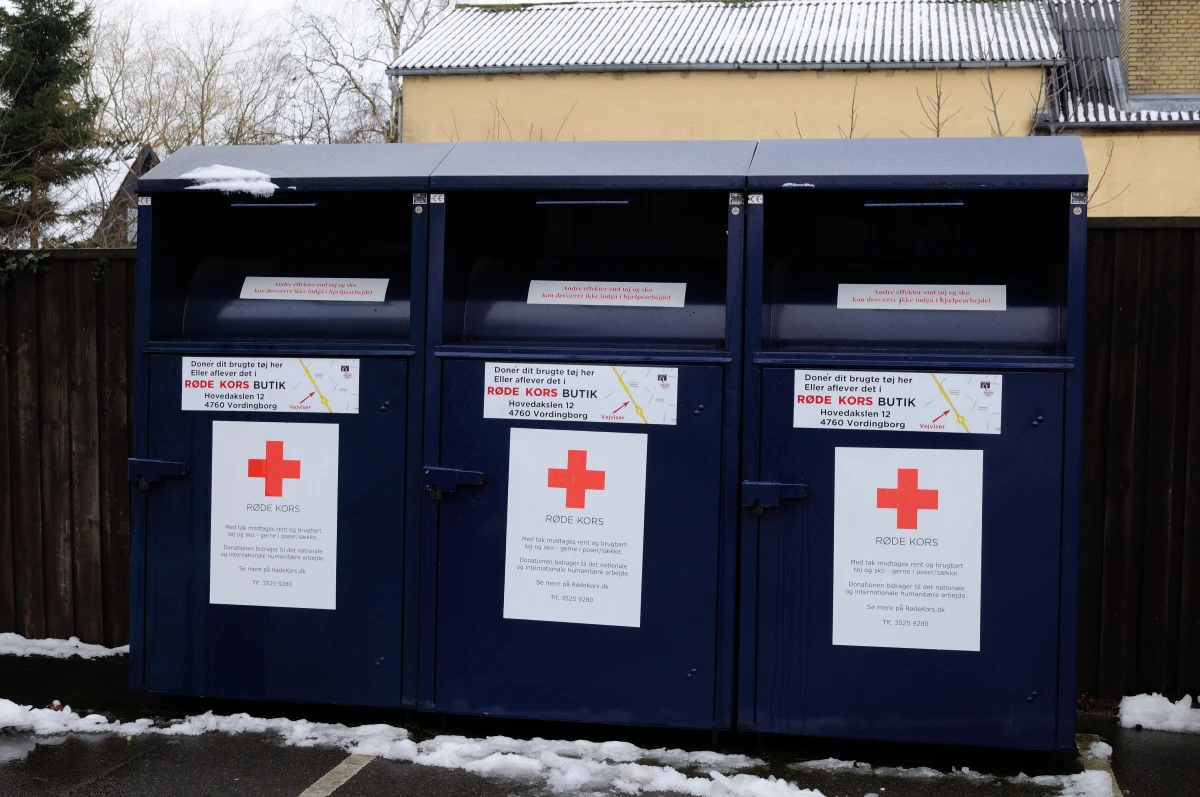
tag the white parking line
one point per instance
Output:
(1083, 743)
(336, 777)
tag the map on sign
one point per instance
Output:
(289, 384)
(908, 401)
(587, 393)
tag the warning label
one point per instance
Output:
(290, 384)
(857, 296)
(584, 393)
(315, 290)
(907, 548)
(274, 514)
(576, 519)
(898, 401)
(608, 294)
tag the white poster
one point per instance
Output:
(858, 296)
(274, 514)
(269, 384)
(607, 294)
(585, 393)
(907, 548)
(905, 401)
(333, 289)
(576, 515)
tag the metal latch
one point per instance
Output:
(439, 481)
(759, 495)
(144, 471)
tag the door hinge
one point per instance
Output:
(759, 495)
(144, 471)
(439, 481)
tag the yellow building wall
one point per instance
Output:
(1148, 175)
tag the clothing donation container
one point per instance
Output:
(581, 431)
(911, 445)
(277, 410)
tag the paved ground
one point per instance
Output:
(1147, 763)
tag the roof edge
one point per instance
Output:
(850, 66)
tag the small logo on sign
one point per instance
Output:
(662, 382)
(346, 372)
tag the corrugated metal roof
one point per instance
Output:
(770, 34)
(1088, 89)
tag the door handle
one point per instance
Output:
(759, 495)
(439, 481)
(143, 472)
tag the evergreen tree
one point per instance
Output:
(44, 130)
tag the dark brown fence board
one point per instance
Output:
(85, 470)
(8, 603)
(1118, 630)
(1160, 524)
(1095, 428)
(56, 454)
(115, 344)
(27, 532)
(1189, 602)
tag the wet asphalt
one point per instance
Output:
(1146, 763)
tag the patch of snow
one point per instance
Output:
(563, 766)
(1089, 783)
(1160, 714)
(230, 180)
(17, 645)
(1100, 750)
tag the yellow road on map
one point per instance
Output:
(636, 407)
(957, 415)
(307, 373)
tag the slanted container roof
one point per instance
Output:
(595, 164)
(315, 166)
(1024, 162)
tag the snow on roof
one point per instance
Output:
(1088, 89)
(769, 34)
(83, 203)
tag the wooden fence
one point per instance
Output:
(65, 339)
(1139, 625)
(65, 343)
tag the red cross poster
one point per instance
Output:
(576, 516)
(907, 548)
(274, 514)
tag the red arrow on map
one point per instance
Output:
(618, 409)
(938, 418)
(306, 398)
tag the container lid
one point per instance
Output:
(1021, 162)
(306, 167)
(595, 164)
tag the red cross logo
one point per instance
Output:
(576, 479)
(274, 469)
(906, 499)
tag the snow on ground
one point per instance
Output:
(564, 766)
(230, 180)
(1091, 783)
(1100, 750)
(17, 645)
(1160, 714)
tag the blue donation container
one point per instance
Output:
(581, 428)
(277, 410)
(911, 448)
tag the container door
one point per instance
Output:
(274, 567)
(579, 582)
(914, 595)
